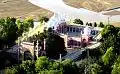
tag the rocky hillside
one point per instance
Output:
(95, 5)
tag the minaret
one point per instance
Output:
(18, 50)
(37, 53)
(87, 34)
(66, 40)
(44, 44)
(34, 50)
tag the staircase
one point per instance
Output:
(74, 55)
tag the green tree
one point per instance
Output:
(110, 38)
(116, 66)
(110, 47)
(8, 32)
(51, 72)
(90, 24)
(101, 25)
(28, 22)
(43, 19)
(28, 67)
(42, 64)
(78, 21)
(96, 69)
(23, 26)
(11, 71)
(70, 67)
(20, 27)
(87, 24)
(11, 29)
(95, 24)
(109, 56)
(54, 43)
(85, 65)
(109, 30)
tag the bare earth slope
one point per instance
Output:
(20, 8)
(95, 5)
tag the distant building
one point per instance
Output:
(75, 35)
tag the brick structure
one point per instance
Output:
(75, 36)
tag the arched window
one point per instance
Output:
(73, 29)
(93, 32)
(82, 31)
(75, 43)
(79, 44)
(70, 29)
(84, 40)
(84, 44)
(58, 28)
(77, 29)
(53, 27)
(96, 32)
(71, 42)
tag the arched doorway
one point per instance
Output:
(27, 55)
(84, 44)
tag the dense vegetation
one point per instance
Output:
(43, 19)
(102, 60)
(79, 21)
(44, 66)
(11, 29)
(53, 43)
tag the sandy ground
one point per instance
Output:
(21, 9)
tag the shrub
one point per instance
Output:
(51, 72)
(101, 25)
(42, 63)
(109, 56)
(78, 21)
(116, 66)
(95, 24)
(43, 19)
(11, 71)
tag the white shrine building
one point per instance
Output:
(75, 35)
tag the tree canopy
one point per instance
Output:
(101, 25)
(53, 43)
(95, 24)
(11, 29)
(109, 56)
(43, 19)
(44, 65)
(116, 66)
(78, 21)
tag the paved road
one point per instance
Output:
(59, 7)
